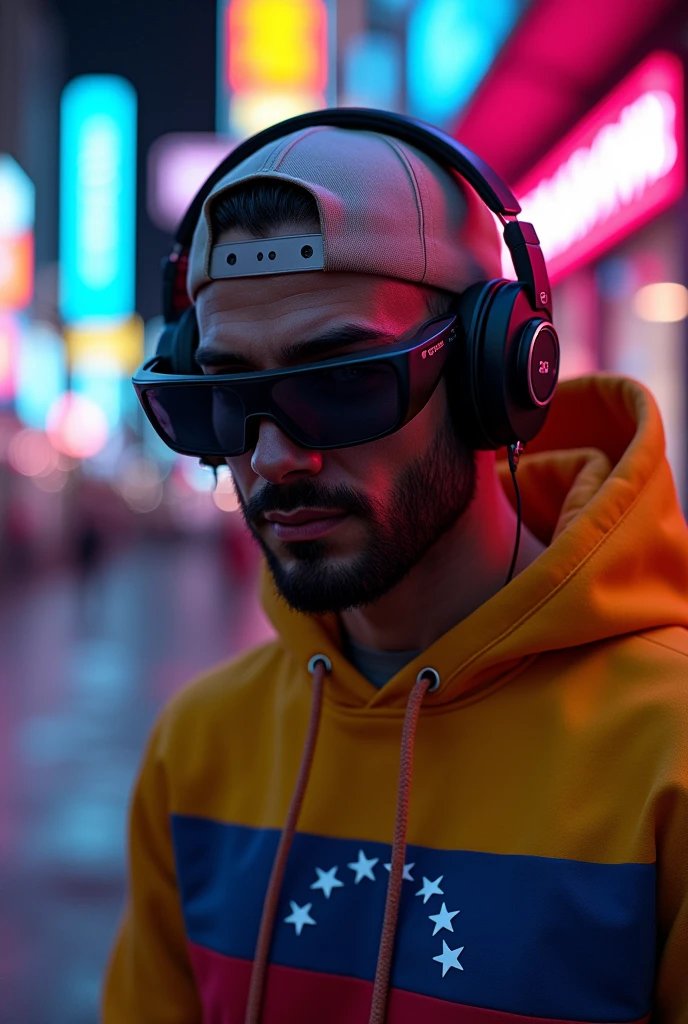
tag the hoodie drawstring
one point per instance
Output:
(427, 680)
(318, 665)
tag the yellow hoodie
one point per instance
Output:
(546, 872)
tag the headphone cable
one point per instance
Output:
(513, 453)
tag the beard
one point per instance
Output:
(430, 494)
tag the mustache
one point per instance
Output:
(305, 494)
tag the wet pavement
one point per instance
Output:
(85, 665)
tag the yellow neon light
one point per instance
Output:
(277, 44)
(115, 344)
(252, 111)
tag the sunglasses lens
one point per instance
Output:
(334, 407)
(203, 420)
(339, 406)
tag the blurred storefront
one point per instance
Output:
(608, 192)
(608, 202)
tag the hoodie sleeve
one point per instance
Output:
(149, 978)
(671, 993)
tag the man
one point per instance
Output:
(544, 851)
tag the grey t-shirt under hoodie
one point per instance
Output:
(377, 666)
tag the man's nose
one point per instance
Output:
(278, 459)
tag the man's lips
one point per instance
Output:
(303, 515)
(304, 523)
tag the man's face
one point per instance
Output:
(339, 528)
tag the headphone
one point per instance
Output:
(503, 381)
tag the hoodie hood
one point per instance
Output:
(597, 489)
(550, 817)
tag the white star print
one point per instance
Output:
(443, 919)
(429, 888)
(299, 916)
(363, 866)
(449, 958)
(327, 881)
(407, 876)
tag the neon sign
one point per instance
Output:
(178, 164)
(17, 216)
(16, 271)
(618, 168)
(9, 343)
(274, 61)
(277, 45)
(372, 70)
(97, 198)
(41, 373)
(450, 47)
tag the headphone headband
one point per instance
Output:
(520, 237)
(496, 195)
(511, 360)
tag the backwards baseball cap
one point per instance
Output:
(384, 207)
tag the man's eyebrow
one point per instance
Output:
(336, 337)
(207, 356)
(300, 351)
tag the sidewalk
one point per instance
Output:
(85, 665)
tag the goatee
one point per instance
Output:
(427, 499)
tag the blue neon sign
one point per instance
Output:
(97, 198)
(372, 71)
(451, 44)
(17, 199)
(41, 373)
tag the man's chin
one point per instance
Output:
(306, 552)
(317, 582)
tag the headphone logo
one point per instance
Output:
(431, 351)
(544, 366)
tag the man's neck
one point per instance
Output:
(465, 568)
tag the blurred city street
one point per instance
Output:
(86, 661)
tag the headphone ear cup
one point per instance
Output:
(182, 343)
(165, 344)
(465, 397)
(510, 367)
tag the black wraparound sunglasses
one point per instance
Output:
(335, 403)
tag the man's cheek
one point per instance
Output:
(374, 470)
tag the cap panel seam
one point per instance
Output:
(406, 163)
(299, 138)
(272, 157)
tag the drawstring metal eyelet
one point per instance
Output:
(433, 675)
(322, 658)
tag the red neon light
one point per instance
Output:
(276, 44)
(619, 167)
(16, 271)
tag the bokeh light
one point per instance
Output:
(52, 482)
(224, 494)
(77, 426)
(664, 302)
(140, 484)
(31, 453)
(199, 478)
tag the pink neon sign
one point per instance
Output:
(618, 168)
(9, 341)
(178, 164)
